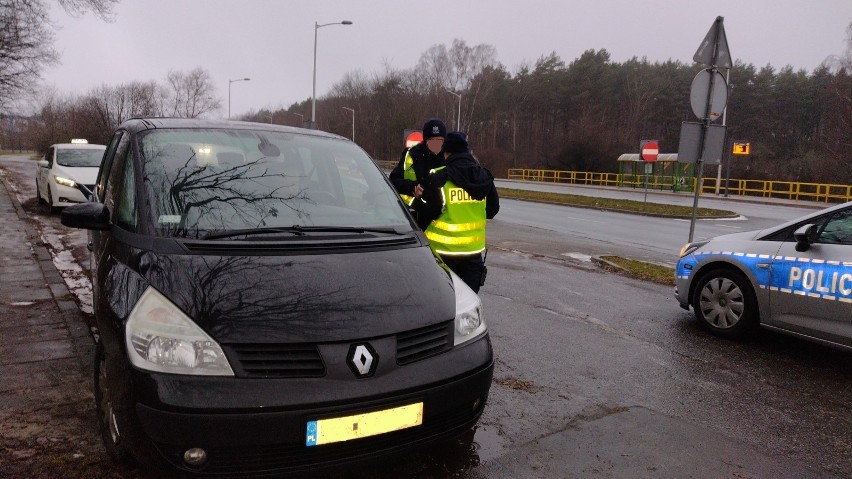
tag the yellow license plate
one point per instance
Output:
(326, 431)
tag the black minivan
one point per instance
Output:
(266, 303)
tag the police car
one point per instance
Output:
(795, 278)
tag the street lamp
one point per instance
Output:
(458, 119)
(353, 120)
(317, 26)
(301, 117)
(229, 93)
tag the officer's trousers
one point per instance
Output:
(470, 268)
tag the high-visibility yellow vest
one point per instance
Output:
(408, 174)
(460, 230)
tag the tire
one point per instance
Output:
(53, 209)
(111, 417)
(38, 195)
(725, 304)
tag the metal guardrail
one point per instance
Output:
(385, 165)
(764, 188)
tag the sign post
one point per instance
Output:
(649, 150)
(708, 97)
(737, 148)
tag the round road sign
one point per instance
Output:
(700, 91)
(650, 150)
(413, 138)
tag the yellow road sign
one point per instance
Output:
(742, 148)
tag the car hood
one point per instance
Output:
(741, 236)
(80, 174)
(306, 298)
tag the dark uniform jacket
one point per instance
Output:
(424, 161)
(466, 173)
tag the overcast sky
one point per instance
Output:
(272, 41)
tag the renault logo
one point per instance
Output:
(363, 360)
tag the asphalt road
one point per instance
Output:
(600, 375)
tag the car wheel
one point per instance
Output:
(725, 304)
(38, 195)
(53, 209)
(110, 417)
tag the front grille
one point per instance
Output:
(275, 360)
(421, 343)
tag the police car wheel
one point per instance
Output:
(725, 304)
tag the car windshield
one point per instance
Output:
(205, 182)
(80, 157)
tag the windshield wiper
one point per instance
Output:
(345, 229)
(251, 231)
(299, 230)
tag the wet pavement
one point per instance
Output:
(45, 350)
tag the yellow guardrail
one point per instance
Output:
(792, 190)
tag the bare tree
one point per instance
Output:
(25, 46)
(26, 41)
(191, 94)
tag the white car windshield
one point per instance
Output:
(79, 157)
(205, 181)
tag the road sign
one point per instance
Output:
(741, 148)
(649, 150)
(718, 97)
(717, 41)
(690, 139)
(413, 137)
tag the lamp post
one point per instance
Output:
(458, 118)
(317, 26)
(353, 120)
(229, 93)
(301, 117)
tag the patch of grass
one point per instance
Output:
(638, 269)
(613, 204)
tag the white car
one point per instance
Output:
(66, 174)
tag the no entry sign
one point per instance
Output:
(649, 150)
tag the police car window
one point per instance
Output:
(838, 229)
(786, 234)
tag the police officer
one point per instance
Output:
(414, 165)
(468, 197)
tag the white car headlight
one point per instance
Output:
(470, 322)
(160, 337)
(64, 181)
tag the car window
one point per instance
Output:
(786, 234)
(126, 216)
(79, 157)
(205, 180)
(114, 175)
(49, 157)
(838, 229)
(106, 164)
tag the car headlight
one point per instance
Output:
(64, 181)
(160, 337)
(470, 322)
(689, 248)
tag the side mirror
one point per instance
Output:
(805, 237)
(43, 163)
(90, 216)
